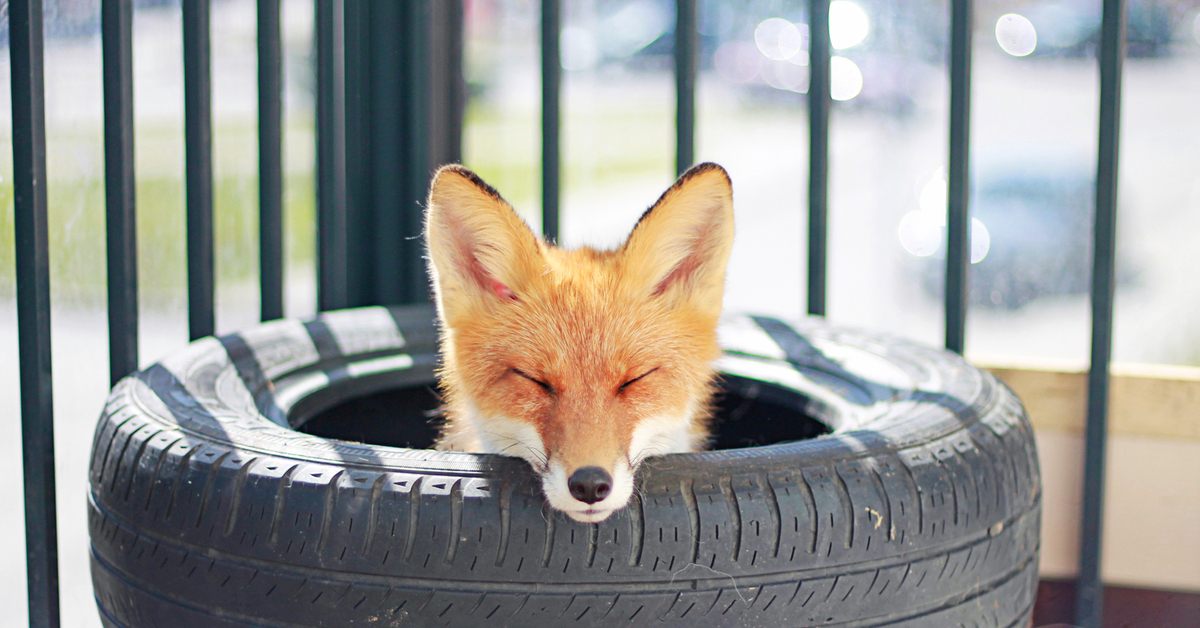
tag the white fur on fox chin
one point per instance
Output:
(656, 436)
(665, 434)
(504, 436)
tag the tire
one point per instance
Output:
(208, 508)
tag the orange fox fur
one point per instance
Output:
(576, 359)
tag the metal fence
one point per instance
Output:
(437, 92)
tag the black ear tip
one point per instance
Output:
(703, 168)
(454, 169)
(469, 175)
(706, 166)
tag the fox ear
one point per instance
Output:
(480, 252)
(679, 248)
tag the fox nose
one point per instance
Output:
(590, 484)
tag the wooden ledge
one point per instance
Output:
(1160, 401)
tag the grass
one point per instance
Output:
(77, 220)
(77, 244)
(609, 147)
(604, 148)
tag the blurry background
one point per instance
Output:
(1034, 121)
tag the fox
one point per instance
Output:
(583, 362)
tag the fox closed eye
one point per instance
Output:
(545, 386)
(626, 384)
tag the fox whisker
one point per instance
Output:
(657, 447)
(540, 463)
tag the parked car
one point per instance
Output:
(1033, 214)
(1071, 28)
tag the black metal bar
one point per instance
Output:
(270, 160)
(551, 116)
(372, 72)
(687, 54)
(33, 309)
(420, 133)
(331, 155)
(455, 91)
(403, 86)
(819, 103)
(958, 217)
(197, 122)
(116, 21)
(1089, 592)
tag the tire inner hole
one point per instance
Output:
(747, 413)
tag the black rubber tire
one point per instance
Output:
(206, 508)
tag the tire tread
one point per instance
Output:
(182, 521)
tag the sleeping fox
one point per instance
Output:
(582, 362)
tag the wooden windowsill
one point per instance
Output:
(1144, 400)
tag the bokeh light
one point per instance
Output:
(1016, 35)
(778, 39)
(933, 196)
(737, 61)
(846, 80)
(848, 24)
(787, 76)
(920, 233)
(981, 241)
(801, 56)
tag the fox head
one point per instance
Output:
(582, 362)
